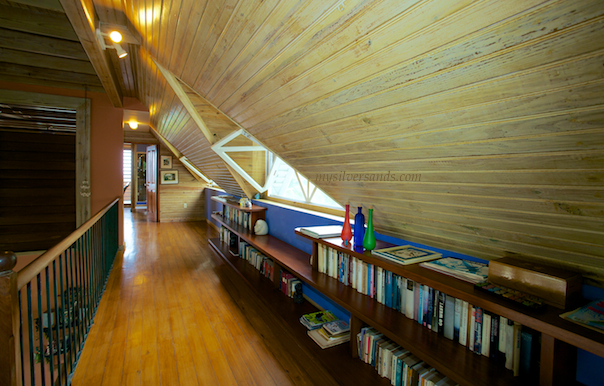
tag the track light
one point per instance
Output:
(121, 53)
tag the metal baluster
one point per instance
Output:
(62, 314)
(50, 324)
(69, 303)
(78, 274)
(58, 311)
(30, 329)
(40, 328)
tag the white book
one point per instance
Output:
(509, 343)
(463, 324)
(359, 272)
(472, 328)
(403, 290)
(503, 322)
(319, 255)
(486, 334)
(352, 273)
(409, 296)
(380, 285)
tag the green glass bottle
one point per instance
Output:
(369, 239)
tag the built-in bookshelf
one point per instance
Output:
(558, 337)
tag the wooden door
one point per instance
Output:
(152, 179)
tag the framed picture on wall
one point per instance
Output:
(166, 162)
(169, 176)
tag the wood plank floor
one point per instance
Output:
(166, 319)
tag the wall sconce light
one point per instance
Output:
(115, 36)
(133, 124)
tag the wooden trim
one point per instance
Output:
(83, 163)
(315, 208)
(30, 271)
(39, 99)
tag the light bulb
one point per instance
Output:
(133, 125)
(115, 36)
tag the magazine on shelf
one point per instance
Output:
(406, 254)
(317, 319)
(470, 271)
(590, 315)
(322, 232)
(321, 339)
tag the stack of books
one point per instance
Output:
(331, 334)
(406, 254)
(322, 232)
(315, 320)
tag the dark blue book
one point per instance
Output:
(495, 354)
(478, 331)
(528, 352)
(388, 289)
(430, 314)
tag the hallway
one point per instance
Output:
(166, 319)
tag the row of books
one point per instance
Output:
(482, 332)
(392, 361)
(262, 263)
(288, 283)
(239, 217)
(230, 239)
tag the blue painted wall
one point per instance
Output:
(282, 222)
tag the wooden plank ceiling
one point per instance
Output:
(487, 117)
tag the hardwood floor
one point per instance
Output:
(167, 319)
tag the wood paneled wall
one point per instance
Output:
(188, 191)
(491, 111)
(37, 189)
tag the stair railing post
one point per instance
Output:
(10, 362)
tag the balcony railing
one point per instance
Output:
(47, 308)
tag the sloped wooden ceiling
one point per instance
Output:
(485, 116)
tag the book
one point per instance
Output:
(509, 344)
(457, 320)
(336, 327)
(516, 354)
(486, 333)
(470, 271)
(406, 254)
(478, 330)
(324, 342)
(463, 326)
(590, 315)
(322, 232)
(449, 321)
(315, 320)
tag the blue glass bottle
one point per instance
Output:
(359, 230)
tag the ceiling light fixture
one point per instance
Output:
(133, 125)
(121, 53)
(115, 36)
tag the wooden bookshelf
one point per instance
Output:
(448, 357)
(559, 337)
(336, 360)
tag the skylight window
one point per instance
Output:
(266, 172)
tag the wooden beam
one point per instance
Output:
(37, 99)
(181, 94)
(50, 83)
(48, 74)
(82, 18)
(24, 41)
(83, 209)
(51, 25)
(44, 61)
(53, 5)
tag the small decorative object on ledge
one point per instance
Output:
(346, 231)
(245, 203)
(369, 239)
(261, 228)
(298, 295)
(359, 230)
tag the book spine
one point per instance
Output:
(472, 328)
(435, 311)
(486, 333)
(516, 355)
(441, 312)
(457, 320)
(509, 343)
(425, 308)
(420, 304)
(430, 310)
(409, 296)
(494, 352)
(416, 302)
(449, 317)
(463, 324)
(503, 323)
(478, 331)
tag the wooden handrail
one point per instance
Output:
(30, 271)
